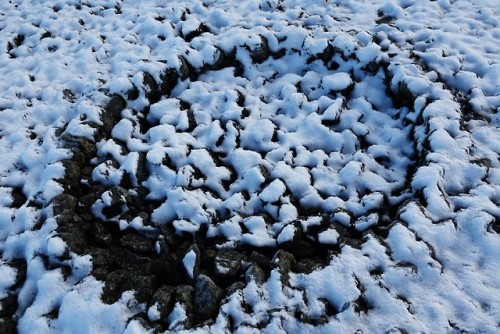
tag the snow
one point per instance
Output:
(306, 135)
(189, 261)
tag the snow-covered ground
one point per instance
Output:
(329, 166)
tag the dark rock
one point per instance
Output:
(352, 242)
(115, 106)
(72, 172)
(260, 259)
(101, 235)
(164, 299)
(208, 260)
(228, 263)
(255, 273)
(307, 266)
(119, 197)
(304, 248)
(116, 284)
(260, 52)
(112, 112)
(185, 69)
(7, 325)
(184, 295)
(83, 144)
(207, 298)
(168, 270)
(132, 93)
(128, 260)
(18, 197)
(70, 229)
(144, 286)
(142, 168)
(196, 32)
(78, 156)
(137, 243)
(236, 286)
(102, 262)
(21, 269)
(284, 262)
(168, 80)
(9, 305)
(63, 202)
(290, 235)
(150, 85)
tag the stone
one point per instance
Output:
(150, 85)
(18, 197)
(72, 172)
(168, 270)
(284, 262)
(7, 325)
(62, 202)
(236, 286)
(116, 284)
(102, 262)
(168, 80)
(137, 243)
(164, 299)
(119, 197)
(196, 32)
(206, 299)
(290, 235)
(83, 144)
(143, 285)
(261, 52)
(255, 273)
(260, 259)
(184, 295)
(101, 235)
(228, 263)
(112, 112)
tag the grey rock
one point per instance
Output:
(116, 284)
(260, 52)
(7, 325)
(144, 286)
(72, 172)
(83, 144)
(289, 243)
(62, 202)
(207, 298)
(168, 80)
(137, 243)
(164, 299)
(150, 85)
(236, 286)
(184, 295)
(228, 262)
(255, 273)
(284, 262)
(119, 197)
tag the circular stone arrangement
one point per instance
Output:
(254, 176)
(207, 176)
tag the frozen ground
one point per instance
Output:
(245, 166)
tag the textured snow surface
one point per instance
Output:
(401, 122)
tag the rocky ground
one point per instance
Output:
(301, 171)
